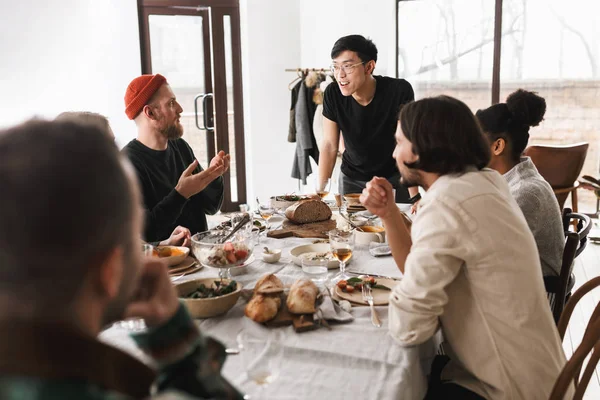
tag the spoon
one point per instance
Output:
(352, 224)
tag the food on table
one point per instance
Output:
(227, 254)
(264, 307)
(225, 225)
(268, 282)
(313, 255)
(283, 202)
(219, 288)
(352, 284)
(302, 297)
(163, 252)
(291, 197)
(308, 211)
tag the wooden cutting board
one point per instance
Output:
(311, 230)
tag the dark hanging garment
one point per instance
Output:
(306, 144)
(292, 128)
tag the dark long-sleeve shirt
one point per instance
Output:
(158, 172)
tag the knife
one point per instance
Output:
(373, 275)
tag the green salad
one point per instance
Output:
(219, 289)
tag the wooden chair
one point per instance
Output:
(590, 343)
(557, 287)
(560, 166)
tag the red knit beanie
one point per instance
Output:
(139, 92)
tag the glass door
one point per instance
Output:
(198, 50)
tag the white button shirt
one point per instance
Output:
(474, 269)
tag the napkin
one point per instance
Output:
(330, 311)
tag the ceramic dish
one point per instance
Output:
(178, 256)
(209, 307)
(313, 249)
(381, 297)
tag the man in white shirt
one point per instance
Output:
(470, 262)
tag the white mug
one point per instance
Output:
(367, 234)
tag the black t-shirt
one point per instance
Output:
(158, 173)
(368, 131)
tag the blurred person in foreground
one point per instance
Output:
(72, 264)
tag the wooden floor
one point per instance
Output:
(587, 266)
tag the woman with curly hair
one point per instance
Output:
(506, 126)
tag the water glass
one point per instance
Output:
(261, 353)
(315, 268)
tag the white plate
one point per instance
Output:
(296, 253)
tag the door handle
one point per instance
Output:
(203, 96)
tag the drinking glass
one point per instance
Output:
(266, 212)
(261, 352)
(315, 268)
(322, 187)
(136, 324)
(342, 244)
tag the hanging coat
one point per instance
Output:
(306, 145)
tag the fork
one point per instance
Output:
(367, 295)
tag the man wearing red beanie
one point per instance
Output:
(176, 189)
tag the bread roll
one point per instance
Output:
(302, 297)
(308, 211)
(268, 282)
(263, 307)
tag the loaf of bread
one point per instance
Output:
(264, 307)
(267, 282)
(308, 211)
(302, 297)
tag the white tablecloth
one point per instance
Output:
(352, 361)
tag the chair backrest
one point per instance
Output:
(557, 286)
(571, 371)
(583, 224)
(559, 165)
(570, 306)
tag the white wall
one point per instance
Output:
(80, 56)
(322, 22)
(270, 44)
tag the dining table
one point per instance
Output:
(352, 360)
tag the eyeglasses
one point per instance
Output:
(348, 69)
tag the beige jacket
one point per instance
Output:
(474, 269)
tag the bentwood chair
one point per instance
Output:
(558, 287)
(560, 166)
(590, 346)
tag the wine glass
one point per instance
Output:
(261, 352)
(136, 324)
(342, 243)
(322, 186)
(266, 212)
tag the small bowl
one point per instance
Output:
(352, 199)
(173, 259)
(272, 257)
(207, 308)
